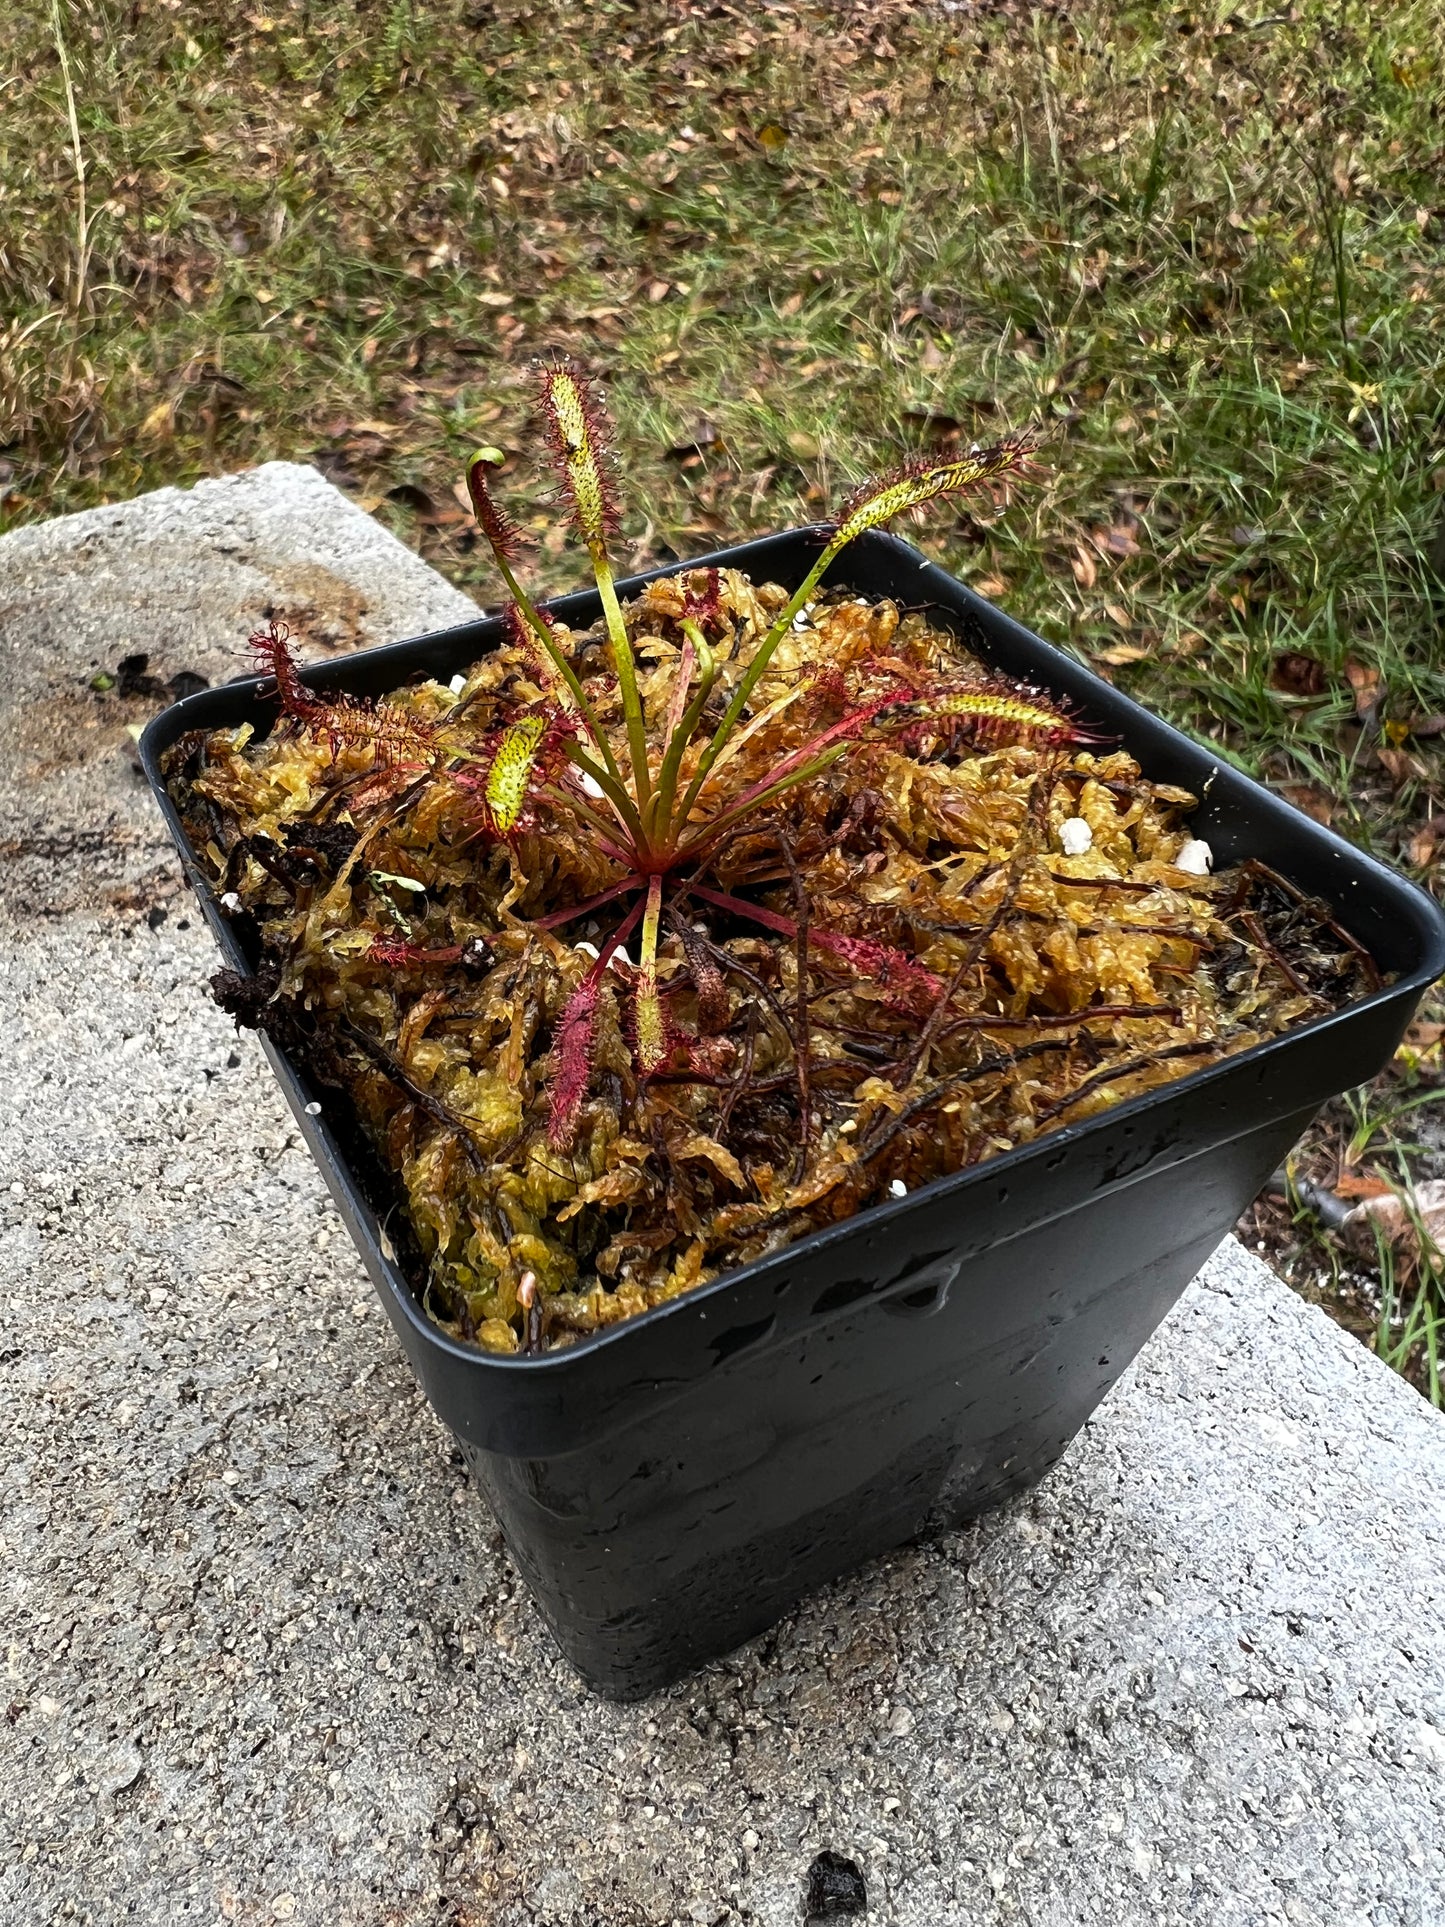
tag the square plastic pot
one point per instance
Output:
(672, 1485)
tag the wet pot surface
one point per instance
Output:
(671, 1485)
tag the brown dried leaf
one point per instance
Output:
(1118, 540)
(1362, 1184)
(1391, 1217)
(1401, 767)
(1364, 679)
(1085, 574)
(1297, 674)
(1311, 799)
(425, 506)
(705, 435)
(935, 425)
(1123, 653)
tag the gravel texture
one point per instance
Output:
(265, 1657)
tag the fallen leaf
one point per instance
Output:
(1422, 726)
(792, 304)
(804, 445)
(1297, 674)
(704, 436)
(1393, 1218)
(658, 291)
(934, 423)
(773, 136)
(1119, 617)
(1401, 767)
(160, 424)
(425, 506)
(1364, 679)
(1362, 1184)
(989, 585)
(1426, 841)
(1085, 574)
(1314, 802)
(1118, 540)
(1125, 652)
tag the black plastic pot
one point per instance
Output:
(671, 1486)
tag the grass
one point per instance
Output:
(1203, 245)
(1383, 1281)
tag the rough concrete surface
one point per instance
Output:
(265, 1658)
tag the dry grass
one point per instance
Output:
(1204, 245)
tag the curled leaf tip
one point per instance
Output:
(703, 605)
(502, 533)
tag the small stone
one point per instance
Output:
(1076, 836)
(122, 1768)
(1195, 857)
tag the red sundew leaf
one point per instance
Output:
(405, 956)
(397, 740)
(706, 606)
(913, 985)
(502, 533)
(910, 984)
(576, 1040)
